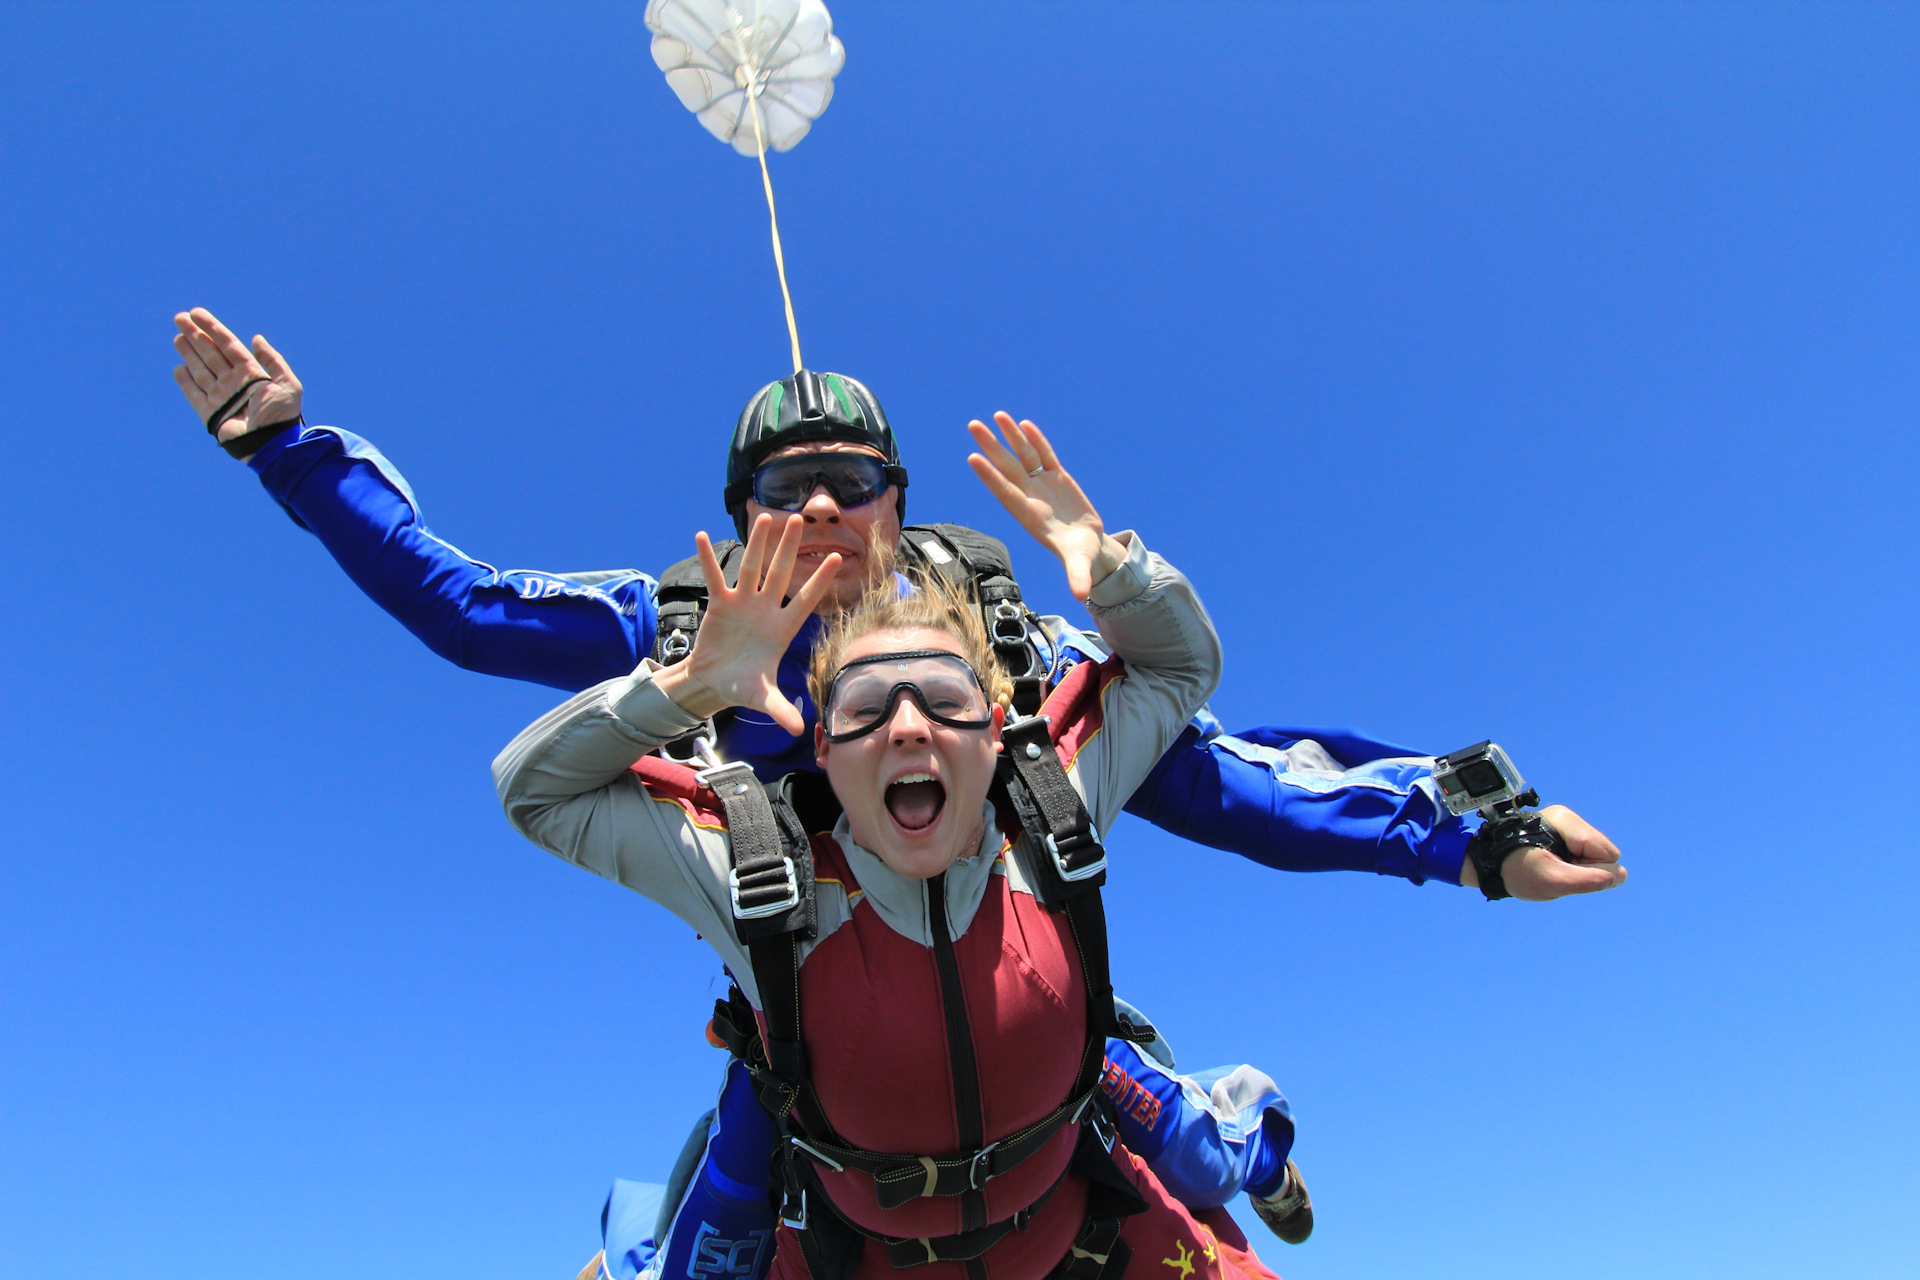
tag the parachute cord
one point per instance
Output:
(779, 260)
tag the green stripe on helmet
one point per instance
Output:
(848, 405)
(770, 416)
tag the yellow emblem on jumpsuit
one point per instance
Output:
(1182, 1259)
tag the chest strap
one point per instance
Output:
(898, 1180)
(1097, 1253)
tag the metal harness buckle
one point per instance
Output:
(1008, 624)
(787, 902)
(715, 770)
(821, 1156)
(1103, 1128)
(787, 1219)
(675, 647)
(733, 780)
(975, 1178)
(1093, 868)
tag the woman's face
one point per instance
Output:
(914, 790)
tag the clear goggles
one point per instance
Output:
(854, 479)
(863, 696)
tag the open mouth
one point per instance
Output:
(915, 800)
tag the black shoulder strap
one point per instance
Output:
(771, 889)
(1071, 863)
(1052, 812)
(772, 892)
(681, 599)
(982, 554)
(978, 562)
(772, 881)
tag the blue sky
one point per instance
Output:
(1538, 372)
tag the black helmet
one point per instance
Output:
(807, 406)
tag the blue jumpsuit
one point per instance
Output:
(1294, 799)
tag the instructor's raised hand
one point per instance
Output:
(237, 389)
(1026, 475)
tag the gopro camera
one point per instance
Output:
(1482, 777)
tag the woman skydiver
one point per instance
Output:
(926, 970)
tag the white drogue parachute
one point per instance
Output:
(757, 74)
(713, 52)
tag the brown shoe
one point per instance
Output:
(1288, 1212)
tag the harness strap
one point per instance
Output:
(772, 890)
(900, 1179)
(1070, 868)
(765, 883)
(912, 1251)
(1097, 1252)
(968, 1113)
(1048, 804)
(784, 1086)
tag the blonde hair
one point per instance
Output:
(935, 605)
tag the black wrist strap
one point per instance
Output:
(245, 446)
(1496, 839)
(234, 404)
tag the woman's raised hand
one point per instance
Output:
(747, 627)
(1026, 475)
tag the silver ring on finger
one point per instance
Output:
(1036, 471)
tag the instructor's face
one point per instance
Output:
(851, 531)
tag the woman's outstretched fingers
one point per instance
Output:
(997, 454)
(1042, 447)
(996, 481)
(709, 564)
(1015, 432)
(814, 589)
(785, 552)
(753, 560)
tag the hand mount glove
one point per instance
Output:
(1499, 837)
